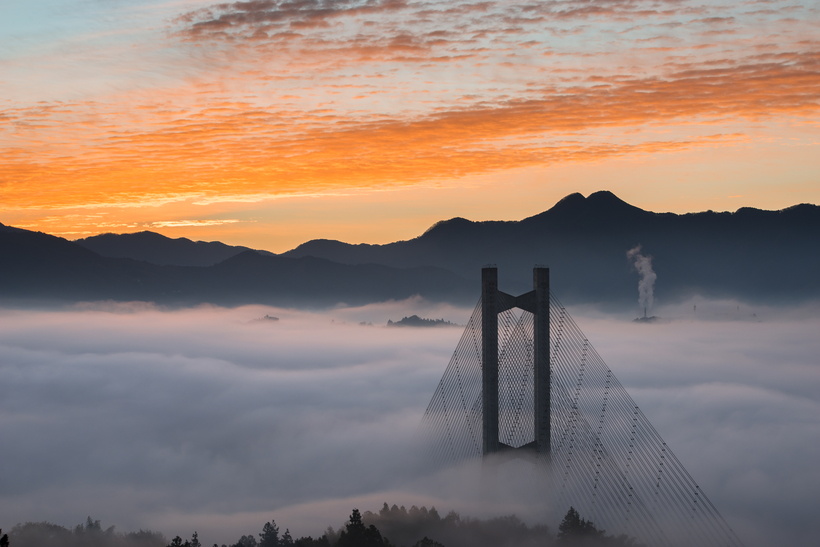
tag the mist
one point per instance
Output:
(216, 420)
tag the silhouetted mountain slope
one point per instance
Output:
(39, 267)
(752, 254)
(4, 228)
(158, 249)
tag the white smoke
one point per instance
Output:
(646, 286)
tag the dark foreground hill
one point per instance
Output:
(36, 267)
(751, 254)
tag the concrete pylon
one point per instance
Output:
(489, 359)
(536, 302)
(541, 359)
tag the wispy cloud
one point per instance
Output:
(180, 223)
(251, 100)
(235, 148)
(255, 19)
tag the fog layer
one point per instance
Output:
(216, 420)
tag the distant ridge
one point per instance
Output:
(752, 254)
(37, 268)
(159, 249)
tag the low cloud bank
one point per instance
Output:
(206, 419)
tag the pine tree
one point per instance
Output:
(574, 528)
(357, 535)
(177, 542)
(270, 535)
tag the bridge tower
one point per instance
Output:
(605, 459)
(536, 302)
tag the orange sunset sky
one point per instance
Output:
(267, 123)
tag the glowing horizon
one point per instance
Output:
(269, 123)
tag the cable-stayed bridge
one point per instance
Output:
(525, 383)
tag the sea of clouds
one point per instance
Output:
(216, 420)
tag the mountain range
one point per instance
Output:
(164, 251)
(751, 254)
(37, 268)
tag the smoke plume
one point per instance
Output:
(646, 286)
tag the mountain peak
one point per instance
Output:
(453, 224)
(608, 198)
(574, 199)
(578, 212)
(597, 201)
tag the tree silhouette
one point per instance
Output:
(574, 529)
(407, 527)
(177, 542)
(4, 539)
(270, 535)
(246, 541)
(356, 534)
